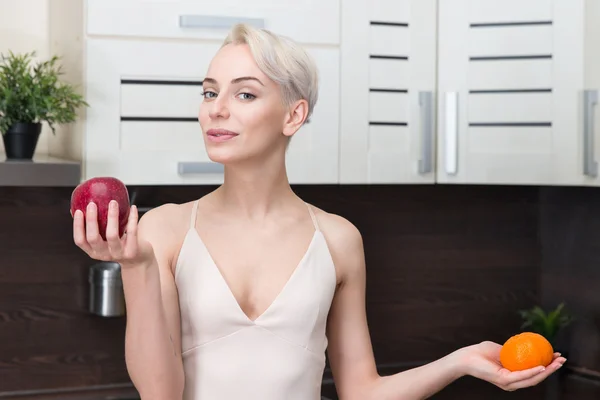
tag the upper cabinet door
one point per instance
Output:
(510, 75)
(388, 53)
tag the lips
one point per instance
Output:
(220, 135)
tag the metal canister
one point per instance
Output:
(107, 298)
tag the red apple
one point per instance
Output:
(101, 191)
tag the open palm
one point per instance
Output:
(483, 360)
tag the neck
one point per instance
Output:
(254, 190)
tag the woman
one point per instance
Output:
(238, 295)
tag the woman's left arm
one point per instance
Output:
(350, 351)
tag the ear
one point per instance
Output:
(295, 118)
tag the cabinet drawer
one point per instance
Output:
(148, 98)
(307, 21)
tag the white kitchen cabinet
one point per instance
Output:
(508, 81)
(143, 83)
(388, 74)
(511, 76)
(411, 91)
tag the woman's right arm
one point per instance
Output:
(152, 337)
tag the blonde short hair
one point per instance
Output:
(283, 60)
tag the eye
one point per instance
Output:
(207, 94)
(247, 96)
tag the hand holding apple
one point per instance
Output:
(101, 191)
(105, 225)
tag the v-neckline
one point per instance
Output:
(283, 289)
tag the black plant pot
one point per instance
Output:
(21, 140)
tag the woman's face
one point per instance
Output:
(242, 115)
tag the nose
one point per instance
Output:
(218, 108)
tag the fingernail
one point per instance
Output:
(112, 204)
(542, 369)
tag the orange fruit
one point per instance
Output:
(526, 350)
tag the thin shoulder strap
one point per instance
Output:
(313, 217)
(193, 214)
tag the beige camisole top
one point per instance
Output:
(278, 356)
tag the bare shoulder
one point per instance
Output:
(165, 228)
(338, 230)
(165, 217)
(344, 241)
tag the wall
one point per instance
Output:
(24, 27)
(49, 28)
(447, 267)
(570, 238)
(47, 340)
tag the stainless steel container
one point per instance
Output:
(107, 298)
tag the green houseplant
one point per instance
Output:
(547, 324)
(31, 94)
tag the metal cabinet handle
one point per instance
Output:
(451, 130)
(426, 160)
(217, 22)
(590, 166)
(192, 167)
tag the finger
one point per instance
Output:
(132, 224)
(113, 240)
(518, 376)
(536, 379)
(79, 232)
(92, 233)
(131, 239)
(532, 381)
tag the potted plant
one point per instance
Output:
(547, 324)
(30, 95)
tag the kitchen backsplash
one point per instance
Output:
(447, 266)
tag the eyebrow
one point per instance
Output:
(236, 80)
